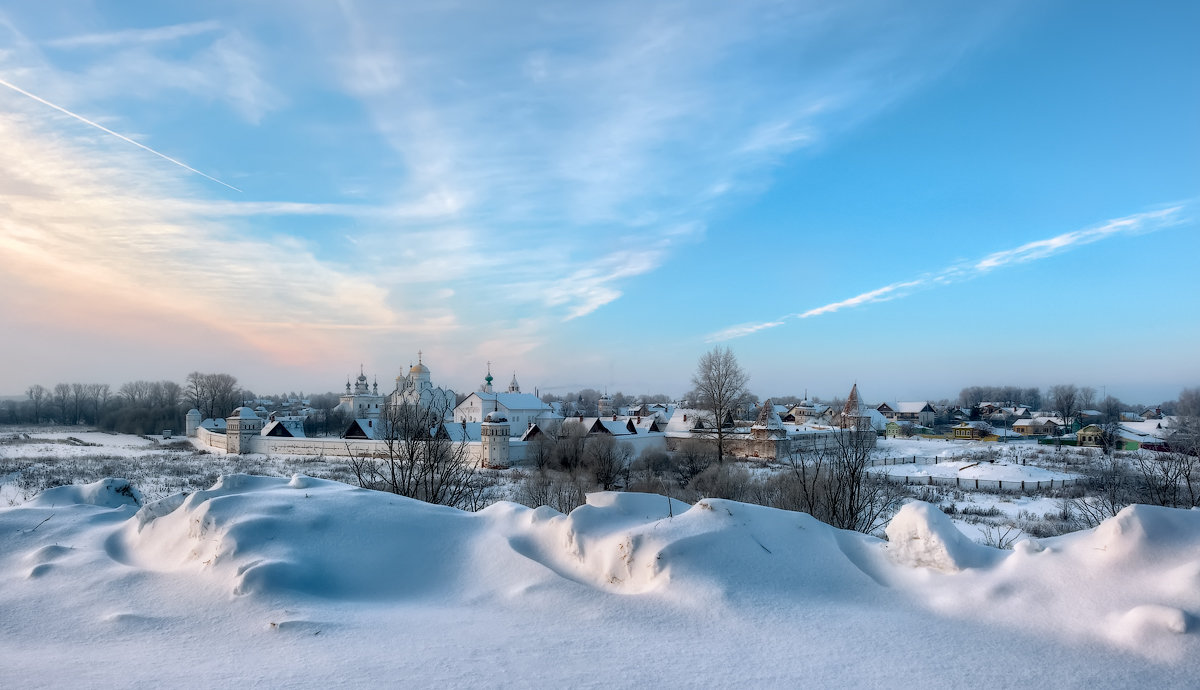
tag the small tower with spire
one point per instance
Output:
(494, 433)
(513, 386)
(768, 426)
(604, 406)
(852, 410)
(487, 380)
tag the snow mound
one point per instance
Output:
(922, 536)
(1153, 617)
(106, 493)
(702, 594)
(267, 536)
(715, 550)
(1144, 532)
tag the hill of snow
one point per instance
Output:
(312, 582)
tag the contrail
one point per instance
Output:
(1030, 251)
(102, 128)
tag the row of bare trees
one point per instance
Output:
(135, 407)
(66, 403)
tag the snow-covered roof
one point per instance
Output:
(616, 427)
(293, 428)
(912, 407)
(1156, 428)
(768, 417)
(511, 401)
(683, 420)
(460, 432)
(648, 424)
(366, 428)
(1039, 421)
(245, 413)
(874, 417)
(808, 408)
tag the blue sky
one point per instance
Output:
(916, 197)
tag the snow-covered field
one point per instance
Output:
(971, 470)
(36, 458)
(303, 581)
(314, 583)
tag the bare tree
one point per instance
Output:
(1110, 408)
(95, 392)
(692, 458)
(832, 483)
(62, 400)
(172, 393)
(135, 392)
(78, 398)
(1087, 398)
(37, 397)
(607, 460)
(1188, 404)
(542, 448)
(1111, 487)
(558, 490)
(1170, 479)
(568, 448)
(720, 386)
(1110, 435)
(215, 395)
(419, 459)
(1065, 398)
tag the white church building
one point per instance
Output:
(520, 410)
(364, 401)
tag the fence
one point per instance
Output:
(913, 460)
(984, 484)
(962, 483)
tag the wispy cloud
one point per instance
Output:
(612, 121)
(1031, 251)
(127, 37)
(477, 167)
(137, 248)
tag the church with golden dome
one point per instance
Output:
(364, 401)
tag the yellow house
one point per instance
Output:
(1090, 436)
(970, 431)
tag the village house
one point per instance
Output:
(971, 431)
(922, 412)
(1090, 436)
(1038, 426)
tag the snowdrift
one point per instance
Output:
(1137, 575)
(265, 535)
(315, 549)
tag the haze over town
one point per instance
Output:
(918, 198)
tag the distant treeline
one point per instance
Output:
(148, 407)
